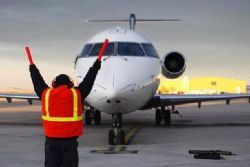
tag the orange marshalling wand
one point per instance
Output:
(29, 55)
(103, 49)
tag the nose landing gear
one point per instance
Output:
(116, 134)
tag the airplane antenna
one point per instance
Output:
(132, 20)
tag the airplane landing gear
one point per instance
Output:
(116, 134)
(162, 115)
(92, 114)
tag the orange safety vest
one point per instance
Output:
(62, 113)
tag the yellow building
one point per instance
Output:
(203, 85)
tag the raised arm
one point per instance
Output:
(86, 85)
(37, 80)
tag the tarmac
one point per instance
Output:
(214, 126)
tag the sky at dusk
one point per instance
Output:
(214, 35)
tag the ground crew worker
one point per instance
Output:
(62, 114)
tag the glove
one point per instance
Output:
(32, 67)
(97, 64)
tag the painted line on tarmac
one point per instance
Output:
(117, 148)
(121, 149)
(131, 134)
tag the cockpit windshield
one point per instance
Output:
(97, 47)
(94, 49)
(149, 50)
(86, 50)
(130, 49)
(120, 48)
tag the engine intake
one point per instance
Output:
(174, 65)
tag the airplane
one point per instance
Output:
(128, 78)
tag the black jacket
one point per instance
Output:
(84, 87)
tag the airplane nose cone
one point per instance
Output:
(117, 101)
(114, 97)
(114, 100)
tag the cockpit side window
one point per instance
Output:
(86, 50)
(130, 49)
(149, 50)
(97, 47)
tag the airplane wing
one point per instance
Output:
(160, 100)
(27, 97)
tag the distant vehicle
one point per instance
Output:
(128, 79)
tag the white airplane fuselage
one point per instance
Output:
(124, 83)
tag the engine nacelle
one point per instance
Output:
(174, 65)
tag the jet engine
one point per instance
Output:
(174, 65)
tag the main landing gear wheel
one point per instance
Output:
(92, 114)
(162, 114)
(158, 117)
(167, 117)
(116, 134)
(97, 117)
(111, 137)
(122, 137)
(87, 117)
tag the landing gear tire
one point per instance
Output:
(158, 117)
(162, 114)
(92, 115)
(87, 117)
(97, 117)
(116, 134)
(167, 118)
(111, 137)
(122, 137)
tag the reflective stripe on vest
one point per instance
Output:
(75, 116)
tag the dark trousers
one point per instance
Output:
(61, 152)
